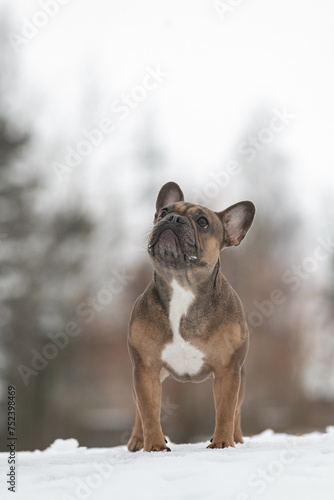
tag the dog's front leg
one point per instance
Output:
(148, 393)
(226, 390)
(136, 441)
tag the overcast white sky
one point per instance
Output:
(221, 72)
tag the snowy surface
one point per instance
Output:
(270, 466)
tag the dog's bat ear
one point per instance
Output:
(169, 193)
(236, 221)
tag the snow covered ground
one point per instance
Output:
(268, 466)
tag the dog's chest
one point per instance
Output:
(180, 355)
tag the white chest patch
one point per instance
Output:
(180, 355)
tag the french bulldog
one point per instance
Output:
(189, 322)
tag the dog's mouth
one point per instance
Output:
(172, 246)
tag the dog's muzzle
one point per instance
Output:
(173, 240)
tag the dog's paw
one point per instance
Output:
(156, 447)
(135, 443)
(226, 443)
(238, 438)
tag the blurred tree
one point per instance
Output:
(14, 227)
(257, 270)
(41, 269)
(150, 160)
(318, 373)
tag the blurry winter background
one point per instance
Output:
(101, 102)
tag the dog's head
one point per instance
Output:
(189, 236)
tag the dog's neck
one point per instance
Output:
(188, 281)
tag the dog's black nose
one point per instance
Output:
(178, 219)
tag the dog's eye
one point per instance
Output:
(163, 213)
(203, 222)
